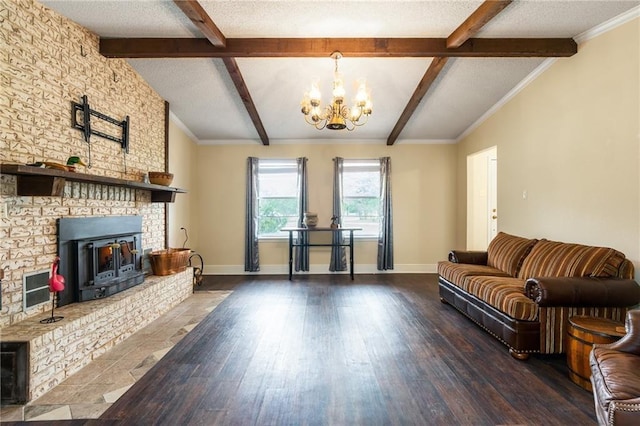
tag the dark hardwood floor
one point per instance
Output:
(323, 350)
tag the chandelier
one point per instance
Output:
(336, 116)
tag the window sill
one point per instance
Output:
(284, 238)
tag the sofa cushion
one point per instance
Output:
(600, 262)
(507, 252)
(558, 259)
(456, 273)
(616, 374)
(505, 294)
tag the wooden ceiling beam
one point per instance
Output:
(243, 91)
(201, 19)
(478, 19)
(459, 37)
(427, 80)
(323, 47)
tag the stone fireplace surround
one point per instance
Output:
(45, 70)
(56, 351)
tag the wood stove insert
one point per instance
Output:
(100, 256)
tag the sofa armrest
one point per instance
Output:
(582, 291)
(470, 257)
(631, 341)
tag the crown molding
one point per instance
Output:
(327, 142)
(183, 127)
(609, 25)
(580, 38)
(506, 98)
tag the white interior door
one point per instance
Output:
(492, 197)
(482, 209)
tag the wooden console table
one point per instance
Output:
(320, 229)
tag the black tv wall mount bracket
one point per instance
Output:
(85, 126)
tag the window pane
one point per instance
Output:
(277, 196)
(361, 184)
(278, 207)
(277, 184)
(361, 196)
(363, 207)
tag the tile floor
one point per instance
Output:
(89, 392)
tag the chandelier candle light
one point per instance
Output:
(337, 116)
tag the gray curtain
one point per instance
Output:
(302, 253)
(338, 257)
(385, 234)
(251, 258)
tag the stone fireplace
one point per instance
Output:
(99, 256)
(46, 72)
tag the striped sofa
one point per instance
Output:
(523, 291)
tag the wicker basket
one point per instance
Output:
(170, 261)
(161, 178)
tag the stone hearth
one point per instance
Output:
(58, 350)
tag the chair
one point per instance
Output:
(615, 376)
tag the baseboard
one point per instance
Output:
(317, 269)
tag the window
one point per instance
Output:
(361, 196)
(277, 197)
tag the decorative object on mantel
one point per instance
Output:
(69, 167)
(337, 116)
(73, 161)
(310, 219)
(56, 284)
(334, 222)
(86, 129)
(55, 166)
(161, 178)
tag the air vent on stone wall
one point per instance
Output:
(35, 288)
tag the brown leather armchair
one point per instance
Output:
(615, 376)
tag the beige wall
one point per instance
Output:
(182, 163)
(570, 139)
(423, 185)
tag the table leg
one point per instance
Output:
(351, 253)
(290, 254)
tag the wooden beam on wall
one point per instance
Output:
(167, 110)
(425, 83)
(478, 19)
(323, 47)
(238, 81)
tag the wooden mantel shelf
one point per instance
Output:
(50, 182)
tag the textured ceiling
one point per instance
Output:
(202, 95)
